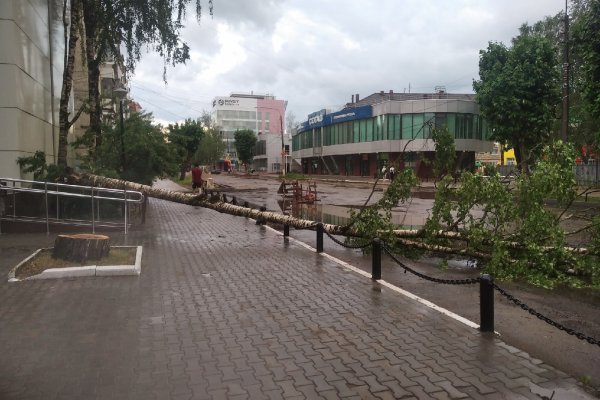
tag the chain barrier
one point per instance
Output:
(471, 281)
(555, 324)
(348, 246)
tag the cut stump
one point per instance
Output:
(81, 247)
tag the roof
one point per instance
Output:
(391, 96)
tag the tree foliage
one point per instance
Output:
(245, 143)
(42, 171)
(147, 155)
(518, 92)
(211, 148)
(132, 26)
(587, 56)
(506, 224)
(186, 138)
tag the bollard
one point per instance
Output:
(224, 198)
(376, 263)
(286, 227)
(246, 205)
(319, 237)
(486, 303)
(234, 201)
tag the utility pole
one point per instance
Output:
(283, 155)
(565, 83)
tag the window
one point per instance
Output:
(356, 129)
(451, 124)
(429, 121)
(370, 123)
(407, 124)
(418, 126)
(394, 127)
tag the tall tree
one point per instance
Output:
(147, 153)
(587, 48)
(133, 25)
(518, 92)
(71, 24)
(290, 122)
(211, 148)
(245, 143)
(186, 138)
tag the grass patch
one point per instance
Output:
(187, 181)
(44, 260)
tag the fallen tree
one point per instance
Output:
(508, 227)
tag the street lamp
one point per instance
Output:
(120, 93)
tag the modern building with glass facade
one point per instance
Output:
(389, 129)
(262, 114)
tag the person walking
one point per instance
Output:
(197, 177)
(383, 172)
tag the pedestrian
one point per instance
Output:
(383, 172)
(392, 173)
(197, 177)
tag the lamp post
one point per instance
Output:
(120, 93)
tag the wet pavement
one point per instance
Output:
(225, 308)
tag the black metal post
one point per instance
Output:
(376, 263)
(122, 136)
(246, 205)
(319, 237)
(486, 303)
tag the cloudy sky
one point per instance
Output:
(317, 53)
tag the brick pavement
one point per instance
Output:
(226, 309)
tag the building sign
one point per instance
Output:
(321, 118)
(229, 103)
(316, 119)
(349, 114)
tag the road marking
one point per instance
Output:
(396, 289)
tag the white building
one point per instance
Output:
(261, 113)
(31, 67)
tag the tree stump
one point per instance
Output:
(81, 247)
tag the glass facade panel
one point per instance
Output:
(393, 127)
(369, 129)
(418, 126)
(441, 120)
(407, 125)
(451, 123)
(429, 121)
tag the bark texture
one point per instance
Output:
(81, 247)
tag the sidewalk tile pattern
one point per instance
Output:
(226, 309)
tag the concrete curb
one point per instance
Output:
(88, 270)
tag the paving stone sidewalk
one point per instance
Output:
(226, 309)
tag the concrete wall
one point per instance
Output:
(31, 66)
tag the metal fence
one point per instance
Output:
(62, 204)
(585, 174)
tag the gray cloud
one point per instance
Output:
(317, 54)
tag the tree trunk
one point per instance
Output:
(81, 247)
(93, 65)
(408, 237)
(65, 95)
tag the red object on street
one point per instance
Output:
(197, 175)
